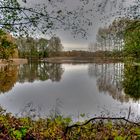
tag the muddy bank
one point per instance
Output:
(16, 61)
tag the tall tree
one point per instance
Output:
(42, 47)
(132, 39)
(54, 46)
(7, 45)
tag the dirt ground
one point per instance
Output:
(16, 61)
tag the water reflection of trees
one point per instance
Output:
(10, 74)
(8, 77)
(34, 111)
(109, 79)
(131, 82)
(30, 110)
(41, 71)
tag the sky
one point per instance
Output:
(103, 12)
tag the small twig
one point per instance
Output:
(14, 24)
(129, 112)
(32, 11)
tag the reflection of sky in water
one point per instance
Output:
(74, 94)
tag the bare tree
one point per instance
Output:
(54, 46)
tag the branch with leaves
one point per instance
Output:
(23, 20)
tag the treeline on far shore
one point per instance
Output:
(81, 55)
(99, 53)
(120, 39)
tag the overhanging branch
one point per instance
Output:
(15, 24)
(32, 11)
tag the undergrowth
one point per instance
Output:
(60, 128)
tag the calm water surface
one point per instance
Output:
(40, 90)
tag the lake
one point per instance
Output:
(47, 89)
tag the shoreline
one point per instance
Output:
(60, 60)
(15, 61)
(81, 60)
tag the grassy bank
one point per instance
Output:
(60, 128)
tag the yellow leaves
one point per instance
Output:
(7, 45)
(51, 131)
(79, 129)
(119, 138)
(109, 125)
(2, 119)
(24, 120)
(114, 133)
(137, 131)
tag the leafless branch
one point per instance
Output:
(14, 24)
(98, 118)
